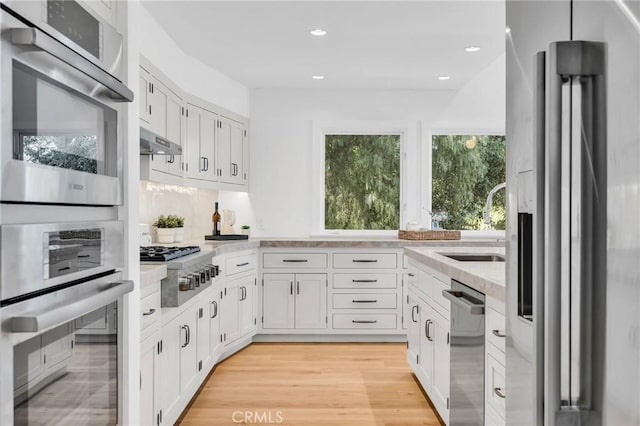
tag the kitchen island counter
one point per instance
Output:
(486, 277)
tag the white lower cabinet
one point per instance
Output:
(237, 309)
(495, 391)
(168, 384)
(188, 348)
(428, 337)
(214, 324)
(294, 301)
(149, 381)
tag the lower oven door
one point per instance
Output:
(65, 355)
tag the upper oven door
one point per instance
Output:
(60, 133)
(76, 26)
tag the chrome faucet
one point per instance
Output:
(487, 207)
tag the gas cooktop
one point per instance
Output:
(163, 254)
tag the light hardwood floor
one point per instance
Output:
(313, 384)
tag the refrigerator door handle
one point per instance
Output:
(575, 224)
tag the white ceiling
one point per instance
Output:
(369, 44)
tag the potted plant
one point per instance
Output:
(165, 229)
(245, 229)
(179, 228)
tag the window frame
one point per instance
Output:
(408, 131)
(427, 177)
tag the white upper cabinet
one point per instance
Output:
(231, 135)
(201, 144)
(162, 112)
(215, 143)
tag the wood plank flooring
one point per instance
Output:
(345, 384)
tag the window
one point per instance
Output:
(359, 174)
(362, 181)
(464, 170)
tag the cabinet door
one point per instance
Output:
(203, 343)
(247, 306)
(175, 131)
(406, 306)
(208, 165)
(158, 107)
(237, 158)
(188, 349)
(194, 135)
(223, 138)
(413, 331)
(439, 332)
(426, 345)
(311, 301)
(230, 313)
(143, 96)
(169, 366)
(245, 157)
(148, 350)
(278, 301)
(230, 138)
(214, 324)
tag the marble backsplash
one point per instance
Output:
(194, 204)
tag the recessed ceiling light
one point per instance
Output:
(444, 77)
(318, 77)
(472, 48)
(318, 32)
(507, 30)
(160, 152)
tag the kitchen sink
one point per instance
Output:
(468, 257)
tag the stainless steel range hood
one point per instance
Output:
(152, 144)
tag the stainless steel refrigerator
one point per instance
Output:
(573, 237)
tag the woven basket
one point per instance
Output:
(428, 235)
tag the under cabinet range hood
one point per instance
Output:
(152, 144)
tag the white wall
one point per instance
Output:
(281, 135)
(188, 73)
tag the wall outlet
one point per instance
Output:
(259, 224)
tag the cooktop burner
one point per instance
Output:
(162, 254)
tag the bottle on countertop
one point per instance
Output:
(216, 221)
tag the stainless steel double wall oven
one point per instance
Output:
(61, 147)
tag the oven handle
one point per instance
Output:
(38, 39)
(49, 318)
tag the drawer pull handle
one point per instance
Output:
(295, 260)
(242, 264)
(150, 312)
(364, 281)
(499, 393)
(364, 321)
(365, 260)
(497, 333)
(411, 274)
(365, 301)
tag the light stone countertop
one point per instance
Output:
(222, 247)
(486, 277)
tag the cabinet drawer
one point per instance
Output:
(495, 385)
(365, 260)
(436, 292)
(495, 328)
(294, 260)
(365, 281)
(237, 264)
(364, 321)
(149, 310)
(364, 301)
